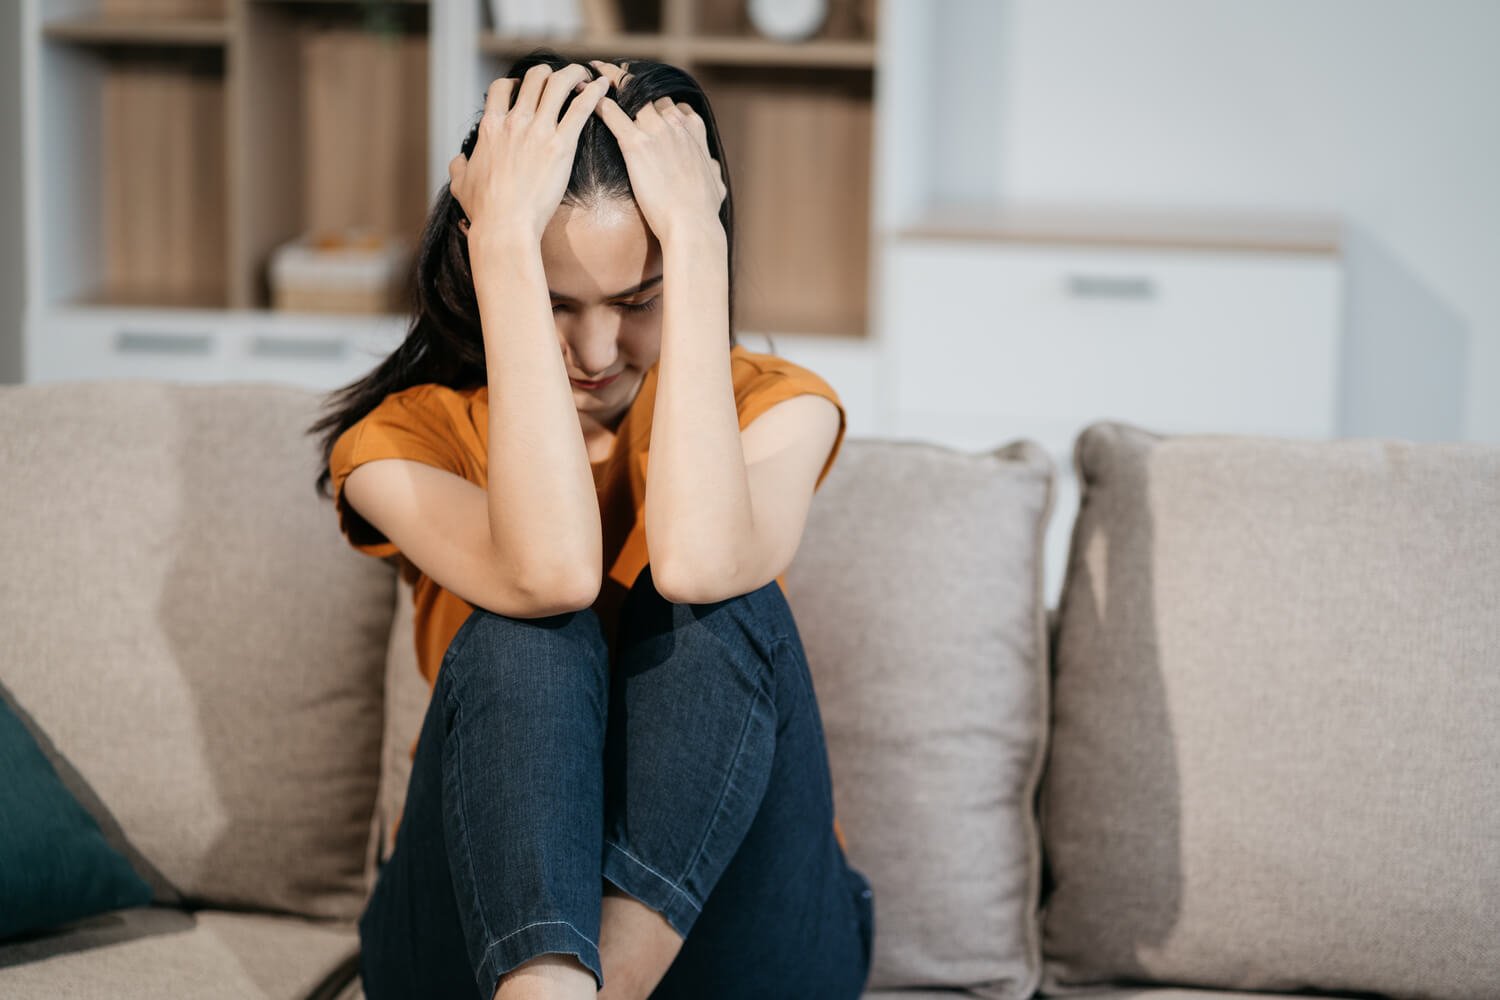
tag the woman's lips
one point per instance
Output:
(594, 385)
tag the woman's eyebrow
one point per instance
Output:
(618, 295)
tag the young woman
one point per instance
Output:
(621, 783)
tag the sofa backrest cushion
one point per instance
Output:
(1275, 745)
(200, 649)
(406, 697)
(918, 594)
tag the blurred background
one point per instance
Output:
(980, 220)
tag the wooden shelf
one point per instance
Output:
(845, 53)
(104, 29)
(646, 45)
(725, 50)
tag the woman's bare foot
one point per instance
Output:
(636, 945)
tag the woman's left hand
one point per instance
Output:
(677, 182)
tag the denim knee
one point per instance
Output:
(493, 649)
(760, 618)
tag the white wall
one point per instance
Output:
(1386, 112)
(12, 269)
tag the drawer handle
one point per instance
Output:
(323, 348)
(1098, 286)
(144, 342)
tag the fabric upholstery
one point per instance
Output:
(406, 696)
(1174, 993)
(1274, 744)
(934, 747)
(201, 650)
(918, 595)
(148, 953)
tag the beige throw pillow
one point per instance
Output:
(1276, 717)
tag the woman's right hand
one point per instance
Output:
(519, 167)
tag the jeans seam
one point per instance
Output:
(784, 644)
(464, 819)
(535, 923)
(454, 649)
(724, 790)
(670, 884)
(760, 618)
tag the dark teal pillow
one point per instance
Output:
(55, 865)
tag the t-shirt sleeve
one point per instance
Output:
(405, 425)
(783, 380)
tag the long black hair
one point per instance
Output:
(444, 343)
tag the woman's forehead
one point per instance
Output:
(597, 250)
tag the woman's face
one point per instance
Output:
(604, 274)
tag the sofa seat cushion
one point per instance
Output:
(1274, 747)
(1173, 993)
(353, 991)
(153, 951)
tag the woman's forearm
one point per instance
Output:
(698, 513)
(544, 512)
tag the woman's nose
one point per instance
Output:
(593, 344)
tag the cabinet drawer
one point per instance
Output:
(318, 354)
(83, 347)
(1173, 340)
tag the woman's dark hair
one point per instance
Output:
(444, 343)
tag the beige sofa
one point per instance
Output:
(1258, 746)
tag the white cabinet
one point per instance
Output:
(314, 351)
(986, 341)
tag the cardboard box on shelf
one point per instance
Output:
(356, 270)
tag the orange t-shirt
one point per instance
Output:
(449, 428)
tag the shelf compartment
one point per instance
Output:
(332, 130)
(847, 21)
(106, 29)
(751, 51)
(140, 194)
(799, 143)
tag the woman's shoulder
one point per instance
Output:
(430, 394)
(753, 368)
(427, 404)
(425, 421)
(761, 380)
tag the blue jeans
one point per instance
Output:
(688, 768)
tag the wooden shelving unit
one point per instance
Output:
(201, 134)
(170, 146)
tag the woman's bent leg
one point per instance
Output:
(497, 855)
(718, 801)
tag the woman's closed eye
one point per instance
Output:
(645, 306)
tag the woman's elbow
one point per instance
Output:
(544, 594)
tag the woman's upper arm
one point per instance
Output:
(440, 522)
